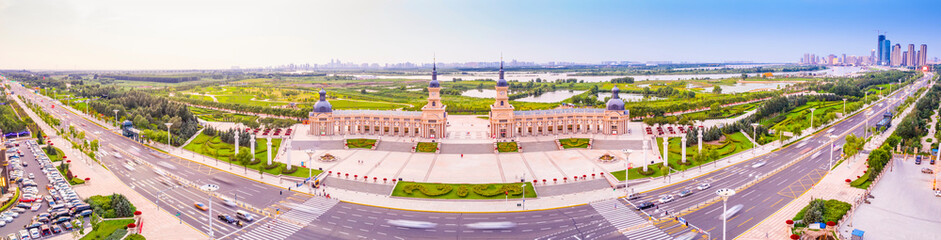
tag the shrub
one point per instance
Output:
(814, 213)
(135, 237)
(286, 171)
(269, 167)
(462, 191)
(117, 234)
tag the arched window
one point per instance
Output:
(432, 104)
(501, 103)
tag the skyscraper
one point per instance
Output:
(910, 60)
(905, 58)
(895, 59)
(923, 55)
(872, 57)
(887, 50)
(882, 51)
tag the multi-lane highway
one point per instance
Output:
(306, 217)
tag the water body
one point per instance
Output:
(748, 87)
(627, 97)
(525, 76)
(555, 96)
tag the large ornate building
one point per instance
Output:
(430, 122)
(507, 123)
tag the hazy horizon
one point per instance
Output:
(112, 34)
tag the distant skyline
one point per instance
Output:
(199, 34)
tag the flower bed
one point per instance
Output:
(462, 191)
(428, 147)
(361, 143)
(507, 147)
(574, 143)
(820, 210)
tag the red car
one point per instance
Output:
(26, 199)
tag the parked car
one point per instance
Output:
(34, 233)
(917, 160)
(56, 229)
(927, 170)
(685, 193)
(24, 235)
(67, 226)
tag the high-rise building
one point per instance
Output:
(896, 55)
(910, 58)
(887, 50)
(923, 55)
(882, 51)
(872, 56)
(905, 57)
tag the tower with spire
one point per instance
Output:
(433, 113)
(501, 112)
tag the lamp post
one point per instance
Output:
(115, 117)
(627, 152)
(812, 118)
(754, 138)
(209, 189)
(524, 196)
(832, 142)
(237, 133)
(645, 154)
(725, 193)
(310, 162)
(844, 107)
(168, 132)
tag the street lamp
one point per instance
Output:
(725, 193)
(209, 189)
(832, 142)
(310, 162)
(844, 107)
(115, 117)
(168, 132)
(627, 152)
(524, 196)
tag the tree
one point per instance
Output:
(717, 89)
(122, 207)
(851, 147)
(94, 145)
(744, 76)
(243, 157)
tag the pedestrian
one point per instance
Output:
(280, 192)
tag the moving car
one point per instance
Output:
(242, 214)
(645, 205)
(229, 202)
(411, 224)
(731, 211)
(201, 206)
(927, 170)
(226, 218)
(703, 186)
(666, 198)
(685, 193)
(917, 160)
(758, 164)
(491, 225)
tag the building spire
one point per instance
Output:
(501, 65)
(434, 68)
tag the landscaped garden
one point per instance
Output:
(821, 211)
(507, 147)
(574, 142)
(108, 227)
(427, 147)
(360, 143)
(214, 147)
(64, 170)
(655, 170)
(462, 191)
(112, 206)
(55, 154)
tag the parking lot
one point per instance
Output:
(47, 202)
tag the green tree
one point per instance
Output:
(744, 76)
(94, 145)
(243, 157)
(717, 89)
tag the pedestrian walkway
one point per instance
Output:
(285, 225)
(623, 218)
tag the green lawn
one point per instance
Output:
(429, 147)
(507, 147)
(833, 210)
(635, 172)
(54, 156)
(106, 227)
(212, 146)
(574, 143)
(462, 191)
(360, 143)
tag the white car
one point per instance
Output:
(229, 202)
(7, 219)
(666, 198)
(411, 224)
(703, 186)
(491, 225)
(937, 193)
(732, 211)
(758, 164)
(31, 176)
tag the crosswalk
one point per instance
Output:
(622, 217)
(291, 221)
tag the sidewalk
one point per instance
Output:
(160, 224)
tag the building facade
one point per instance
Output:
(506, 122)
(430, 122)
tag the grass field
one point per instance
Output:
(361, 143)
(574, 143)
(507, 147)
(428, 147)
(54, 156)
(635, 172)
(733, 143)
(462, 191)
(212, 146)
(107, 227)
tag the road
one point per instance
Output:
(306, 217)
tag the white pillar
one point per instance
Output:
(252, 142)
(237, 142)
(645, 155)
(666, 143)
(287, 155)
(269, 150)
(683, 143)
(700, 138)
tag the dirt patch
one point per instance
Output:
(716, 142)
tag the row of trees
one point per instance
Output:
(914, 126)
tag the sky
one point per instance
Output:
(201, 34)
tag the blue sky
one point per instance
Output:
(161, 34)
